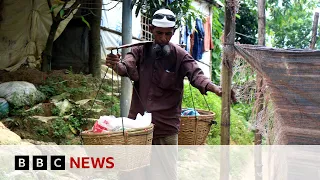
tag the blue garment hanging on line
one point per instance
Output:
(185, 37)
(198, 40)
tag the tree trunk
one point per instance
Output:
(226, 73)
(95, 48)
(314, 30)
(47, 52)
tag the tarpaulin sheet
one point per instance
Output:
(71, 49)
(24, 31)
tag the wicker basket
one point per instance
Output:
(141, 136)
(195, 129)
(128, 157)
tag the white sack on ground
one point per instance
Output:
(20, 93)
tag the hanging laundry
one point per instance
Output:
(186, 34)
(208, 45)
(198, 40)
(191, 41)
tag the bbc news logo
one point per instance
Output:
(59, 162)
(39, 163)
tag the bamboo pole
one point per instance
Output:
(226, 73)
(227, 59)
(260, 98)
(314, 30)
(259, 79)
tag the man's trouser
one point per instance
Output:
(164, 158)
(168, 140)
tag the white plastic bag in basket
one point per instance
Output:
(103, 124)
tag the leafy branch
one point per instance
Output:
(64, 12)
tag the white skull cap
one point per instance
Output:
(164, 22)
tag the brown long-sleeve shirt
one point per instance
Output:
(159, 84)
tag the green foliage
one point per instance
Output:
(42, 131)
(61, 13)
(246, 24)
(65, 129)
(76, 86)
(55, 111)
(239, 130)
(182, 8)
(78, 118)
(290, 23)
(64, 12)
(60, 128)
(242, 72)
(23, 112)
(217, 29)
(244, 82)
(86, 22)
(17, 112)
(243, 110)
(51, 86)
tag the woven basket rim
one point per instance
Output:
(211, 114)
(145, 130)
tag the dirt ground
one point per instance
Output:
(33, 76)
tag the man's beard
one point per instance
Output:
(161, 50)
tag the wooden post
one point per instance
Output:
(259, 80)
(260, 98)
(226, 73)
(261, 22)
(314, 30)
(94, 42)
(227, 59)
